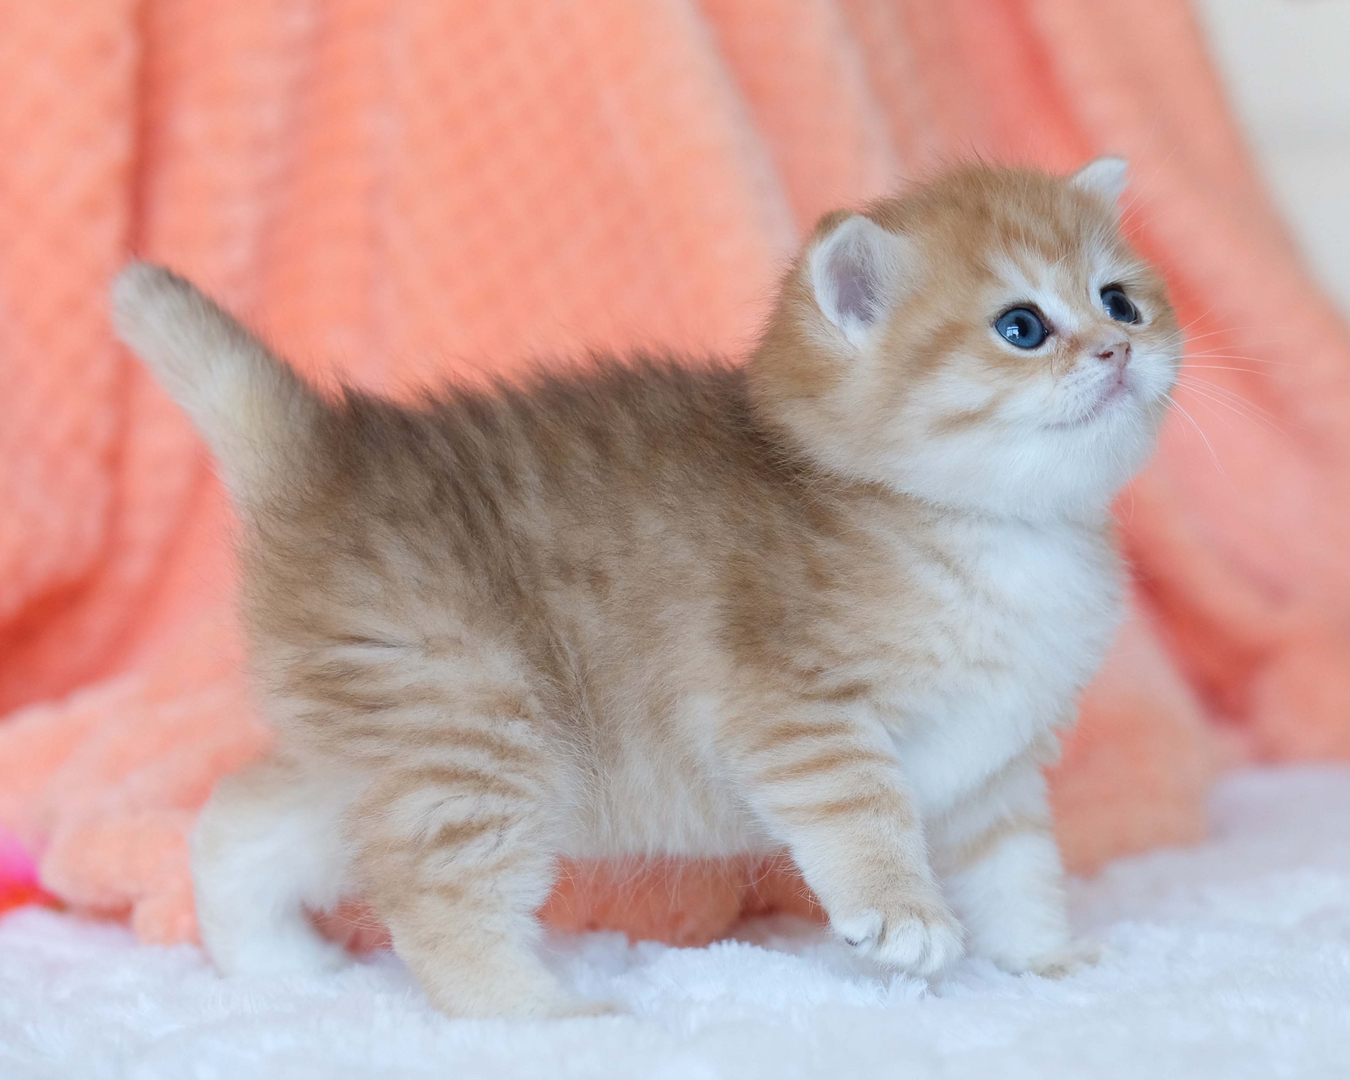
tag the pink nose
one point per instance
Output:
(1118, 354)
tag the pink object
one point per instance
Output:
(387, 186)
(16, 865)
(18, 875)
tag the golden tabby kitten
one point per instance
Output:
(836, 600)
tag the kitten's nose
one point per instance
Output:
(1118, 354)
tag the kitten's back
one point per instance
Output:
(607, 491)
(592, 431)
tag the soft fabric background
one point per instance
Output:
(394, 189)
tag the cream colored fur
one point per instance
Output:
(836, 601)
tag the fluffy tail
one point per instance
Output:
(254, 413)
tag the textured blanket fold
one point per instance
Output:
(395, 190)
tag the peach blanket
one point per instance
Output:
(396, 188)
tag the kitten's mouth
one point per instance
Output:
(1115, 393)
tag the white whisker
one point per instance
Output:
(1208, 445)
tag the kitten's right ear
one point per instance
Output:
(856, 272)
(1104, 177)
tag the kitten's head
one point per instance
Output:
(988, 340)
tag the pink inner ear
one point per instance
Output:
(854, 281)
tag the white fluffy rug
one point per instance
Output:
(1229, 960)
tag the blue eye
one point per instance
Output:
(1021, 327)
(1118, 305)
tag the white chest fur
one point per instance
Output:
(1014, 620)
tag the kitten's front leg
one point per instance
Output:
(828, 785)
(1001, 868)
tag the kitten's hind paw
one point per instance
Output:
(1074, 957)
(582, 1009)
(300, 952)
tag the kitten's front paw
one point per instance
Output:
(919, 936)
(1056, 964)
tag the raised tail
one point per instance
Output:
(255, 414)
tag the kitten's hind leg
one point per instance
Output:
(268, 845)
(455, 857)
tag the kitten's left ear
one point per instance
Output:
(856, 271)
(1105, 177)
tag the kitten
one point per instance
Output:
(836, 600)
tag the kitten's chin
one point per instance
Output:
(1003, 493)
(1072, 470)
(1113, 448)
(1113, 404)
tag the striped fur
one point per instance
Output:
(834, 600)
